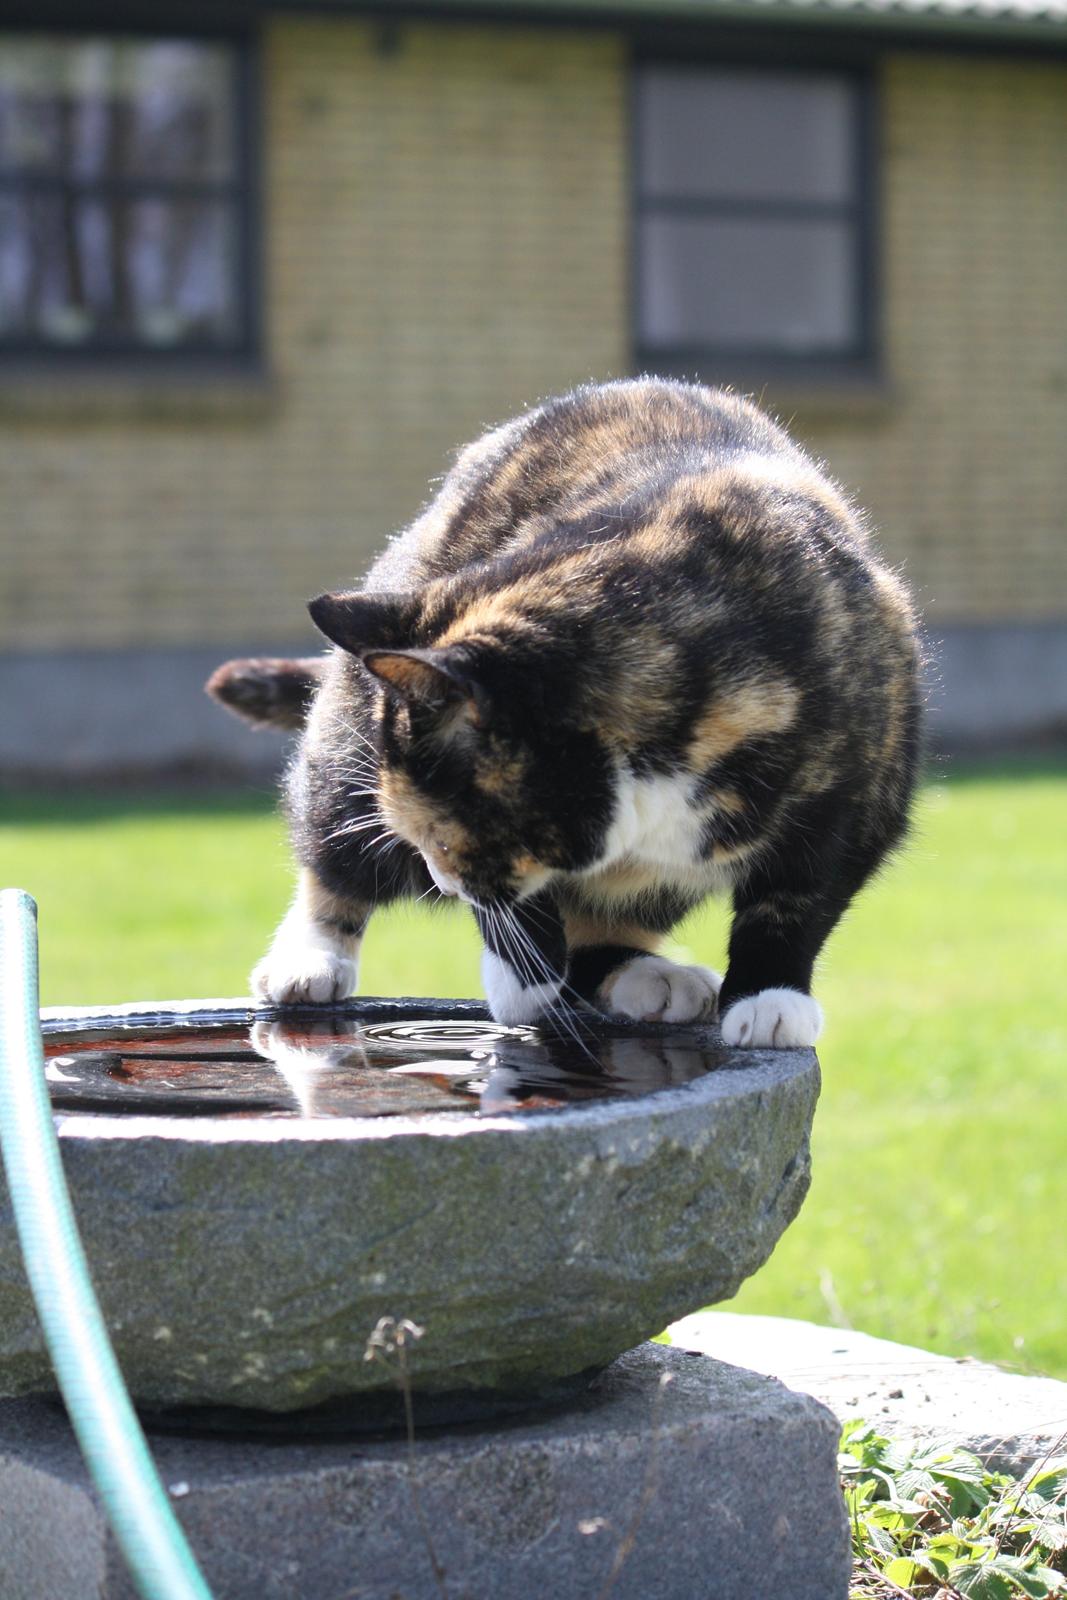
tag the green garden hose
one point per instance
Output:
(88, 1375)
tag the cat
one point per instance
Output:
(636, 651)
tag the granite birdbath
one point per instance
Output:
(258, 1191)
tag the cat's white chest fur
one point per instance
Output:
(656, 838)
(656, 823)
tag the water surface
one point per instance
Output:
(338, 1067)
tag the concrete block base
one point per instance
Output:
(676, 1477)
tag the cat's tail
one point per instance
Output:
(268, 691)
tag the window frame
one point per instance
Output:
(241, 193)
(858, 364)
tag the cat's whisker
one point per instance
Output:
(350, 830)
(357, 733)
(529, 965)
(359, 786)
(538, 914)
(356, 824)
(563, 1010)
(570, 1017)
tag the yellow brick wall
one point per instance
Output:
(964, 467)
(446, 239)
(445, 242)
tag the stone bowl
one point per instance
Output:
(249, 1251)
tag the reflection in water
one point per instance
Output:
(334, 1067)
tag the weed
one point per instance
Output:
(388, 1343)
(930, 1520)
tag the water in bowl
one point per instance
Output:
(336, 1066)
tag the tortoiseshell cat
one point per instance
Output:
(637, 650)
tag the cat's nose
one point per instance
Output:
(444, 880)
(447, 882)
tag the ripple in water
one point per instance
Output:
(445, 1035)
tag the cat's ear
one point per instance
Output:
(437, 679)
(359, 622)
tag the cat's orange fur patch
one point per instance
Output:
(583, 929)
(320, 904)
(729, 801)
(761, 706)
(623, 880)
(413, 817)
(406, 673)
(500, 776)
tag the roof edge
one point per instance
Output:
(839, 16)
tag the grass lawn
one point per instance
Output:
(937, 1211)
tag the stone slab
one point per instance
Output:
(1011, 1421)
(246, 1262)
(724, 1482)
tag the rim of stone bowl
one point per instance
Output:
(725, 1082)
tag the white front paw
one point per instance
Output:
(778, 1019)
(510, 1000)
(291, 975)
(653, 989)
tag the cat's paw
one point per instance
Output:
(512, 1002)
(653, 989)
(776, 1019)
(292, 975)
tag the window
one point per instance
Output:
(123, 197)
(752, 222)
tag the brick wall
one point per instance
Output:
(964, 465)
(445, 242)
(447, 238)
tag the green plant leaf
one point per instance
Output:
(951, 1546)
(1045, 1528)
(879, 1540)
(935, 1560)
(916, 1480)
(1051, 1481)
(889, 1514)
(905, 1572)
(978, 1581)
(986, 1535)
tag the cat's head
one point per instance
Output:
(490, 761)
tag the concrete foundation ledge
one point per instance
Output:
(1010, 1420)
(676, 1477)
(141, 712)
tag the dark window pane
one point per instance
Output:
(80, 271)
(181, 265)
(42, 271)
(751, 284)
(97, 108)
(745, 135)
(181, 99)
